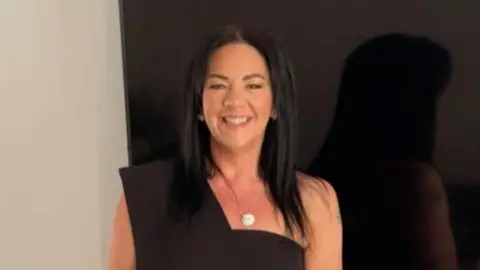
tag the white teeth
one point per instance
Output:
(236, 120)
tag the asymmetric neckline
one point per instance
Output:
(262, 233)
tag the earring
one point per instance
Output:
(200, 117)
(274, 117)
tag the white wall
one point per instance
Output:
(62, 132)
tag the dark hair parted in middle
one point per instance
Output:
(277, 157)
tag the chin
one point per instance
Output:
(236, 145)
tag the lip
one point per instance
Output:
(236, 120)
(235, 115)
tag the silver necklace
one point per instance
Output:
(247, 218)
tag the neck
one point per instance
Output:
(239, 166)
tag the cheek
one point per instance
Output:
(264, 106)
(210, 105)
(207, 103)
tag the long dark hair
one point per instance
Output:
(386, 103)
(277, 158)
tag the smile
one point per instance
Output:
(236, 120)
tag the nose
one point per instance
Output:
(234, 96)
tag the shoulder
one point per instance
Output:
(321, 205)
(146, 187)
(325, 228)
(152, 175)
(149, 170)
(317, 192)
(140, 208)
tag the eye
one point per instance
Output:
(254, 86)
(216, 86)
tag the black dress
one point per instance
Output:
(206, 241)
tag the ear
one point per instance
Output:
(200, 114)
(273, 115)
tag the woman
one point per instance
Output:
(233, 200)
(378, 156)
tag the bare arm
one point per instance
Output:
(122, 255)
(325, 243)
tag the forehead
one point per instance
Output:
(237, 60)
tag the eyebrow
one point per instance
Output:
(218, 76)
(254, 75)
(246, 77)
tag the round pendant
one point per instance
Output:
(248, 219)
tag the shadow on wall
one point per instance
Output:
(384, 123)
(153, 124)
(386, 105)
(378, 155)
(465, 209)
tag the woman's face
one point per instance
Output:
(237, 96)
